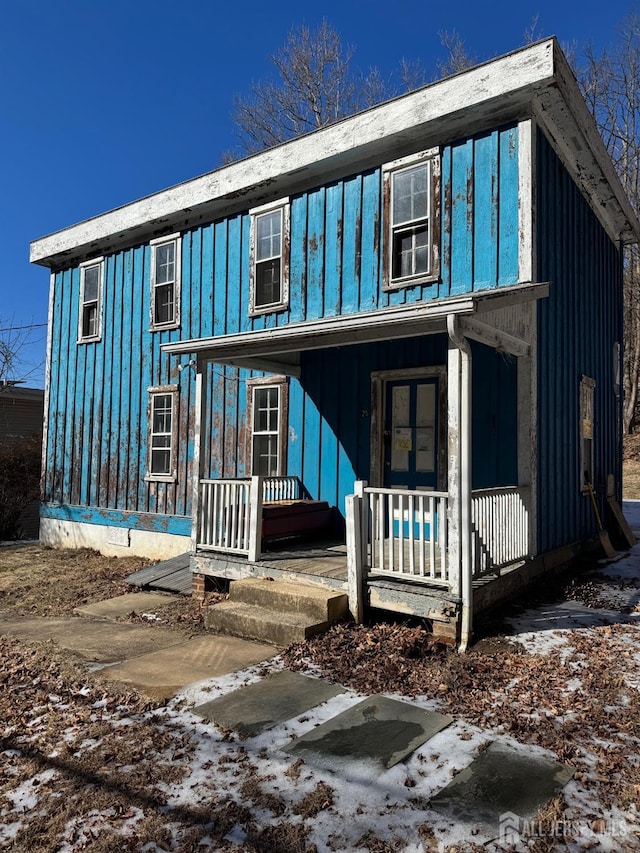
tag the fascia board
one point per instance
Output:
(513, 78)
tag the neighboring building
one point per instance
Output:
(426, 296)
(21, 416)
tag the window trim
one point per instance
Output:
(282, 383)
(282, 304)
(432, 159)
(161, 391)
(176, 238)
(587, 387)
(84, 266)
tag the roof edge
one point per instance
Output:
(513, 76)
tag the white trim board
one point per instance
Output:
(486, 95)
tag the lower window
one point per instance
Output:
(268, 421)
(162, 422)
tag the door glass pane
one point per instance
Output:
(401, 432)
(426, 428)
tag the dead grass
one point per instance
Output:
(38, 581)
(631, 467)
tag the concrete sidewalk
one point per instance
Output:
(155, 660)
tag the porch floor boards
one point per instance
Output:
(324, 561)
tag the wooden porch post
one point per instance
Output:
(197, 457)
(354, 556)
(255, 519)
(454, 469)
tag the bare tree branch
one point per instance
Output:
(458, 59)
(610, 82)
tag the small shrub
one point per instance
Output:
(20, 463)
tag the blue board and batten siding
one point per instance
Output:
(578, 328)
(98, 401)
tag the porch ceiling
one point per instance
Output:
(277, 350)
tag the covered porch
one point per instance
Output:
(397, 554)
(418, 545)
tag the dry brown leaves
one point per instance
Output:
(55, 724)
(576, 703)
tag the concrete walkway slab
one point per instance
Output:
(256, 707)
(501, 782)
(122, 605)
(378, 728)
(164, 672)
(94, 640)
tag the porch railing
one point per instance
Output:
(230, 511)
(500, 528)
(404, 534)
(224, 515)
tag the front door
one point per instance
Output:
(411, 430)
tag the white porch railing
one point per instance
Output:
(404, 534)
(500, 528)
(281, 489)
(230, 511)
(224, 515)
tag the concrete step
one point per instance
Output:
(252, 621)
(315, 602)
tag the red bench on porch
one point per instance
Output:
(289, 518)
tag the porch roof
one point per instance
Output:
(277, 350)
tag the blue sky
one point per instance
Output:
(104, 102)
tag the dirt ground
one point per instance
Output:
(104, 750)
(37, 581)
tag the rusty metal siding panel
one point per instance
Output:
(508, 208)
(334, 217)
(462, 217)
(577, 328)
(138, 403)
(297, 261)
(485, 221)
(370, 257)
(315, 260)
(97, 446)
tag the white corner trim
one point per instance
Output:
(526, 201)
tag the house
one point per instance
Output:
(21, 416)
(413, 316)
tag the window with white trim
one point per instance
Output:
(165, 282)
(162, 433)
(90, 314)
(587, 393)
(411, 189)
(268, 417)
(269, 269)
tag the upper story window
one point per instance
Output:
(165, 282)
(90, 314)
(162, 433)
(269, 258)
(412, 214)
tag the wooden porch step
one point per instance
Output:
(278, 612)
